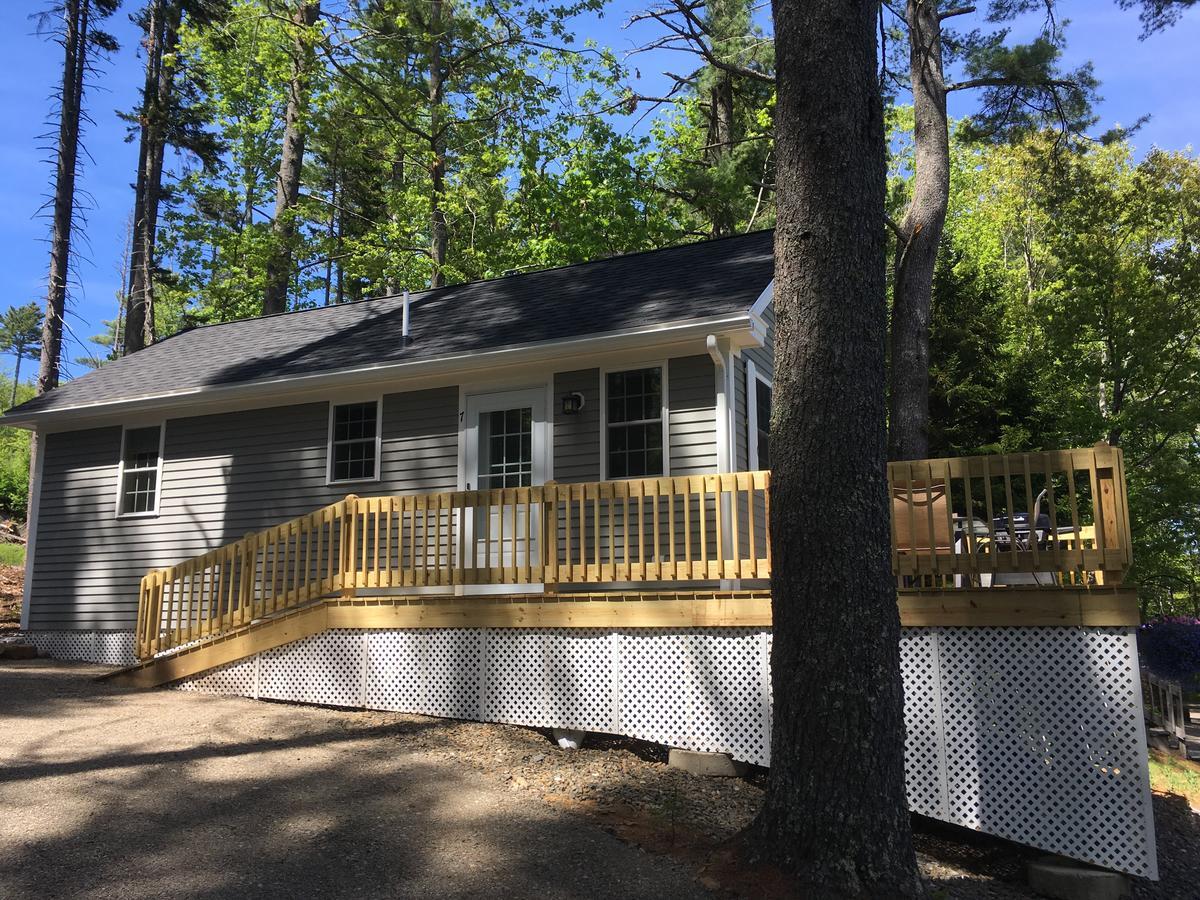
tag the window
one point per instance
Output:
(354, 442)
(759, 419)
(506, 448)
(634, 409)
(141, 460)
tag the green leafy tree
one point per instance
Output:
(1084, 267)
(21, 336)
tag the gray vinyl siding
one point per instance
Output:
(692, 401)
(223, 476)
(577, 437)
(228, 474)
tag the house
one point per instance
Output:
(543, 499)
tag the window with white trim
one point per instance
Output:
(758, 420)
(354, 442)
(634, 423)
(141, 466)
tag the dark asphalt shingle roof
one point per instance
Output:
(694, 281)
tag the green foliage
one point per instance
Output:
(14, 457)
(1067, 310)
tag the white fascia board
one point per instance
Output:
(740, 328)
(764, 299)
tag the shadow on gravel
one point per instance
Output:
(146, 795)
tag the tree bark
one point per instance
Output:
(438, 230)
(291, 161)
(162, 34)
(919, 237)
(834, 811)
(720, 144)
(75, 15)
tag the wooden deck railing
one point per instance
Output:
(1053, 519)
(683, 529)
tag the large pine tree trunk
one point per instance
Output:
(439, 236)
(720, 145)
(75, 36)
(920, 235)
(291, 161)
(162, 30)
(835, 810)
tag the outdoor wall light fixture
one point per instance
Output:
(572, 403)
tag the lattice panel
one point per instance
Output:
(326, 668)
(924, 761)
(656, 685)
(731, 693)
(75, 645)
(515, 675)
(237, 678)
(115, 648)
(395, 678)
(1045, 743)
(581, 679)
(1032, 734)
(453, 671)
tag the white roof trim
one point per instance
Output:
(737, 325)
(760, 305)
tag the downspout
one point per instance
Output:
(725, 458)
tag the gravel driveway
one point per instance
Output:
(111, 793)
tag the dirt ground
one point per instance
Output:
(12, 581)
(112, 793)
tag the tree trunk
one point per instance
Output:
(834, 812)
(75, 15)
(920, 235)
(16, 381)
(720, 144)
(291, 161)
(162, 33)
(438, 230)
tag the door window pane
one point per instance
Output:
(506, 448)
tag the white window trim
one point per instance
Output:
(666, 414)
(374, 479)
(158, 482)
(753, 377)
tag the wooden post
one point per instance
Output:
(1106, 514)
(346, 576)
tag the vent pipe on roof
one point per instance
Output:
(404, 319)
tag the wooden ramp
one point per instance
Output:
(245, 641)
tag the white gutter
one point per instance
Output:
(738, 327)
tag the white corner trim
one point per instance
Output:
(31, 523)
(377, 399)
(753, 377)
(161, 425)
(666, 413)
(764, 300)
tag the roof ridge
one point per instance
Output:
(424, 293)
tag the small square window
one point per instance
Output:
(354, 442)
(138, 494)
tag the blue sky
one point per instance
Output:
(1155, 76)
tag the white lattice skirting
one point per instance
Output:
(1032, 734)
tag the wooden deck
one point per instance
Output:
(1029, 539)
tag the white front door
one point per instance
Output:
(505, 437)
